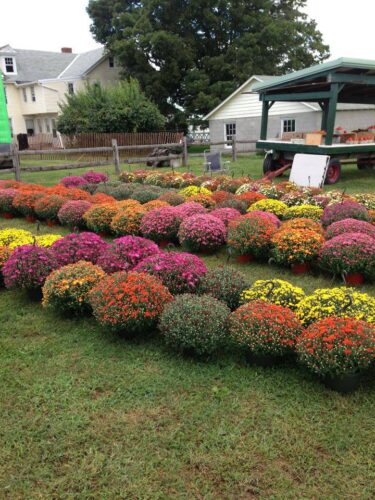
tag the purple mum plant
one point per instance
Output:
(94, 177)
(75, 247)
(202, 233)
(344, 210)
(73, 181)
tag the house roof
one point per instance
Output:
(34, 65)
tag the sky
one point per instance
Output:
(52, 24)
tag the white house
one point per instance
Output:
(240, 114)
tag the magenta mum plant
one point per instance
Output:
(72, 181)
(350, 253)
(226, 214)
(190, 208)
(349, 226)
(6, 200)
(344, 210)
(179, 272)
(28, 267)
(71, 213)
(75, 247)
(202, 233)
(161, 224)
(265, 216)
(125, 253)
(94, 177)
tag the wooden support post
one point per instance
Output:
(331, 114)
(16, 161)
(324, 108)
(264, 122)
(234, 149)
(185, 155)
(116, 157)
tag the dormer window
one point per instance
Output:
(9, 65)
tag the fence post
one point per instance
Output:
(16, 161)
(185, 158)
(234, 148)
(116, 156)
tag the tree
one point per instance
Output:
(190, 54)
(121, 108)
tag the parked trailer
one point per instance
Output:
(350, 81)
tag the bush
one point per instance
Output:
(48, 206)
(6, 200)
(172, 198)
(203, 199)
(239, 205)
(276, 207)
(66, 289)
(305, 211)
(250, 197)
(301, 224)
(72, 212)
(264, 328)
(179, 272)
(265, 216)
(220, 196)
(339, 302)
(46, 240)
(5, 253)
(28, 267)
(125, 253)
(202, 233)
(123, 191)
(75, 247)
(101, 199)
(144, 195)
(225, 284)
(194, 324)
(188, 209)
(129, 303)
(152, 205)
(277, 291)
(337, 346)
(351, 253)
(161, 224)
(24, 202)
(128, 221)
(95, 177)
(344, 210)
(226, 214)
(251, 236)
(73, 181)
(296, 246)
(194, 190)
(98, 218)
(13, 238)
(349, 226)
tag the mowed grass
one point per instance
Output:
(88, 414)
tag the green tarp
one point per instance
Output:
(5, 136)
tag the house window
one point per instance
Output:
(24, 93)
(32, 92)
(288, 125)
(70, 88)
(230, 131)
(9, 65)
(111, 62)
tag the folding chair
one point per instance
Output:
(213, 162)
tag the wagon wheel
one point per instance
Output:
(270, 165)
(333, 172)
(364, 164)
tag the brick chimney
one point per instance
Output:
(66, 50)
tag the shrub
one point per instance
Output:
(302, 224)
(306, 211)
(194, 190)
(351, 252)
(225, 284)
(128, 221)
(6, 200)
(72, 212)
(296, 246)
(239, 205)
(102, 198)
(152, 205)
(202, 233)
(264, 328)
(277, 291)
(365, 199)
(250, 197)
(24, 202)
(349, 226)
(337, 346)
(73, 181)
(130, 303)
(48, 206)
(98, 218)
(340, 302)
(188, 209)
(230, 185)
(203, 199)
(66, 289)
(220, 196)
(95, 177)
(179, 272)
(344, 210)
(276, 207)
(13, 238)
(172, 198)
(5, 253)
(251, 236)
(226, 214)
(125, 253)
(264, 215)
(123, 191)
(144, 195)
(161, 224)
(270, 190)
(28, 267)
(194, 324)
(46, 240)
(75, 247)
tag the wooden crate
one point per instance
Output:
(313, 139)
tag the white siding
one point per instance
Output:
(248, 105)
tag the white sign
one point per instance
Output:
(309, 170)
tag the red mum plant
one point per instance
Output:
(128, 221)
(349, 226)
(337, 346)
(47, 208)
(296, 246)
(220, 196)
(129, 303)
(250, 197)
(71, 213)
(101, 198)
(24, 202)
(202, 233)
(263, 328)
(251, 236)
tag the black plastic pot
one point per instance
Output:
(344, 384)
(264, 360)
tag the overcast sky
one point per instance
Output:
(52, 24)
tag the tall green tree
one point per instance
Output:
(191, 54)
(120, 108)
